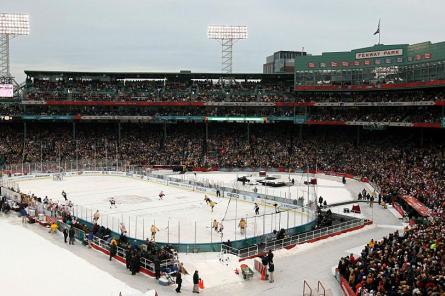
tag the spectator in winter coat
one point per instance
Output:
(157, 268)
(65, 234)
(23, 214)
(270, 256)
(90, 238)
(53, 228)
(271, 272)
(71, 234)
(135, 262)
(128, 256)
(113, 249)
(178, 281)
(196, 282)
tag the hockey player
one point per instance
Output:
(212, 204)
(161, 195)
(257, 209)
(96, 216)
(112, 202)
(207, 199)
(242, 226)
(215, 225)
(277, 210)
(153, 230)
(220, 229)
(64, 195)
(123, 229)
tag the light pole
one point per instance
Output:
(227, 36)
(11, 26)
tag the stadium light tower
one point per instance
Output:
(11, 26)
(227, 36)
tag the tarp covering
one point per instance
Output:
(419, 207)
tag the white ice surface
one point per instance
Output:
(139, 206)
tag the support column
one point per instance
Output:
(24, 142)
(421, 137)
(248, 132)
(119, 133)
(164, 135)
(118, 144)
(358, 135)
(300, 133)
(206, 138)
(74, 130)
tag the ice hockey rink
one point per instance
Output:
(177, 216)
(182, 216)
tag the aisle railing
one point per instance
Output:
(292, 240)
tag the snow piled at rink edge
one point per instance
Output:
(32, 265)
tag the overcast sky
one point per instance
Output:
(167, 35)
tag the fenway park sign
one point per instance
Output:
(378, 54)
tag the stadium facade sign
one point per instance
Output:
(372, 104)
(379, 53)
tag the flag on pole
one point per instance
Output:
(378, 29)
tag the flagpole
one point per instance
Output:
(380, 30)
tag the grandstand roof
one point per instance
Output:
(186, 75)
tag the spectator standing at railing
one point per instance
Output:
(65, 234)
(23, 213)
(135, 262)
(90, 238)
(157, 268)
(271, 272)
(128, 256)
(53, 228)
(269, 256)
(71, 234)
(113, 248)
(178, 281)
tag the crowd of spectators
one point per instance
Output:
(158, 90)
(206, 91)
(411, 263)
(373, 114)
